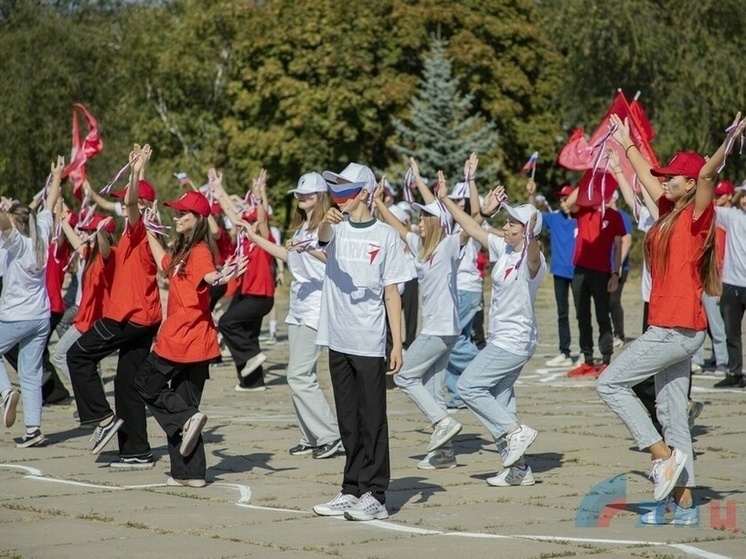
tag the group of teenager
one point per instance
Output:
(351, 254)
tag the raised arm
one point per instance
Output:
(104, 247)
(76, 241)
(54, 187)
(427, 196)
(706, 180)
(139, 157)
(533, 250)
(96, 198)
(386, 214)
(470, 226)
(639, 163)
(158, 251)
(264, 244)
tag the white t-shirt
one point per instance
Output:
(3, 263)
(437, 285)
(308, 279)
(733, 220)
(644, 223)
(469, 279)
(512, 323)
(362, 260)
(24, 282)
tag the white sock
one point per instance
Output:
(272, 327)
(31, 430)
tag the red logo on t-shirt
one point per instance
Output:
(373, 252)
(431, 259)
(507, 272)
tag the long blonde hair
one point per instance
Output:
(660, 233)
(435, 234)
(25, 221)
(323, 203)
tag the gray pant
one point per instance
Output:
(59, 356)
(318, 426)
(422, 376)
(665, 354)
(717, 331)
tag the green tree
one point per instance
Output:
(443, 129)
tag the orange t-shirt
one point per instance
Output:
(676, 294)
(258, 280)
(134, 292)
(720, 247)
(97, 279)
(188, 335)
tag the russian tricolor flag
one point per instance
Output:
(343, 193)
(530, 167)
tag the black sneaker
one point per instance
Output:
(730, 381)
(131, 464)
(102, 435)
(30, 439)
(301, 449)
(327, 450)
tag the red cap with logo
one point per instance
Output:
(565, 191)
(93, 225)
(725, 187)
(685, 163)
(145, 191)
(191, 201)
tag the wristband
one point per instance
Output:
(484, 215)
(628, 148)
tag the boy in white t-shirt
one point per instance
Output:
(364, 265)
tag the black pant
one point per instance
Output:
(645, 390)
(590, 284)
(562, 288)
(732, 307)
(52, 391)
(173, 405)
(410, 306)
(359, 385)
(240, 326)
(104, 338)
(216, 293)
(615, 307)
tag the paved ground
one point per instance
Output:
(60, 502)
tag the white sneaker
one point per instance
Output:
(337, 506)
(197, 483)
(444, 431)
(560, 360)
(271, 340)
(440, 459)
(239, 388)
(253, 364)
(10, 404)
(618, 342)
(518, 442)
(190, 433)
(665, 473)
(512, 476)
(367, 508)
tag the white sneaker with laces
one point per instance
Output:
(560, 360)
(337, 506)
(618, 342)
(367, 508)
(440, 459)
(666, 472)
(512, 476)
(444, 431)
(253, 364)
(190, 433)
(517, 443)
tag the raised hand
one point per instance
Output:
(470, 167)
(415, 169)
(621, 134)
(531, 187)
(56, 168)
(442, 187)
(333, 216)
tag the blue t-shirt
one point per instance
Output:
(628, 231)
(563, 230)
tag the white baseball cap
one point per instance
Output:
(434, 209)
(353, 173)
(523, 214)
(399, 213)
(459, 191)
(310, 183)
(406, 206)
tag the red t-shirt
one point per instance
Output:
(188, 335)
(676, 294)
(720, 247)
(58, 255)
(258, 280)
(225, 246)
(596, 238)
(134, 292)
(97, 279)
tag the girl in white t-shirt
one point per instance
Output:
(422, 377)
(319, 433)
(24, 306)
(486, 385)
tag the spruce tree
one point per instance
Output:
(442, 131)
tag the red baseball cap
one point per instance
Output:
(685, 163)
(109, 226)
(725, 187)
(216, 208)
(565, 191)
(191, 201)
(595, 199)
(145, 191)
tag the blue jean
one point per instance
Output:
(31, 336)
(464, 351)
(422, 376)
(717, 332)
(665, 354)
(487, 388)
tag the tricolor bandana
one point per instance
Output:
(106, 189)
(731, 140)
(409, 185)
(343, 193)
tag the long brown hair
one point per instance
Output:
(323, 203)
(184, 244)
(660, 233)
(435, 234)
(25, 221)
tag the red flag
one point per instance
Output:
(82, 151)
(576, 154)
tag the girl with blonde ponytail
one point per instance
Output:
(24, 306)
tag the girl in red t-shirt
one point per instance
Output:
(187, 341)
(679, 249)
